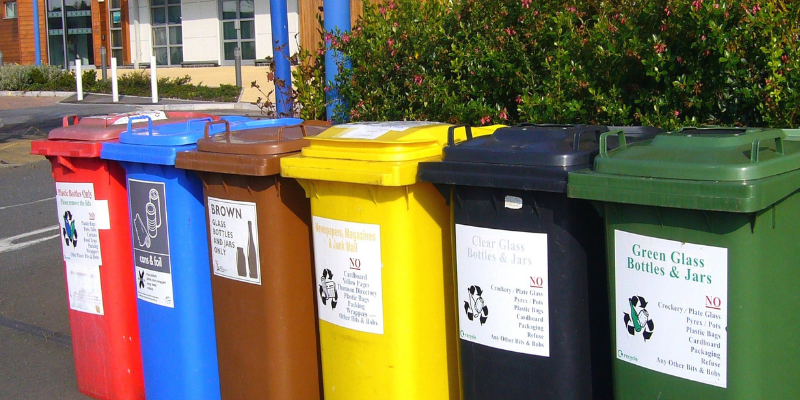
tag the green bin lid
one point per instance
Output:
(720, 169)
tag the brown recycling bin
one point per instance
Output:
(261, 263)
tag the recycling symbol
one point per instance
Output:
(68, 231)
(475, 307)
(639, 319)
(327, 289)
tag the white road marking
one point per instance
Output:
(28, 203)
(9, 243)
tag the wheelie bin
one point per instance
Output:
(529, 263)
(382, 260)
(170, 259)
(701, 227)
(261, 269)
(92, 205)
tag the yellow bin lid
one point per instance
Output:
(375, 153)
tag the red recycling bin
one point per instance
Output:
(92, 204)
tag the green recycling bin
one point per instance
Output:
(702, 229)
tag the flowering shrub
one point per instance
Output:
(665, 63)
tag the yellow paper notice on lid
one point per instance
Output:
(374, 130)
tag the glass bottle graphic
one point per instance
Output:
(241, 262)
(252, 261)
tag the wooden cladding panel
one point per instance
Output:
(309, 26)
(27, 53)
(9, 37)
(99, 30)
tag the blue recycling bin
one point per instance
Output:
(170, 256)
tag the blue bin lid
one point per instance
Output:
(160, 144)
(175, 134)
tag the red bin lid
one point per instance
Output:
(103, 128)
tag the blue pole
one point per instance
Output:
(280, 54)
(336, 17)
(36, 42)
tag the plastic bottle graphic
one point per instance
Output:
(252, 261)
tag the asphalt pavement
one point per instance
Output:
(35, 346)
(36, 358)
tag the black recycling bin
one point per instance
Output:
(530, 267)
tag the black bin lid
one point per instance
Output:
(526, 156)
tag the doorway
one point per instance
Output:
(69, 32)
(238, 29)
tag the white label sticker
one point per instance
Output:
(102, 218)
(503, 289)
(374, 130)
(78, 219)
(348, 271)
(672, 307)
(513, 202)
(83, 288)
(151, 255)
(234, 240)
(153, 115)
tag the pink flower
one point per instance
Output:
(660, 48)
(526, 3)
(320, 51)
(519, 99)
(702, 37)
(679, 59)
(360, 104)
(395, 24)
(418, 80)
(716, 6)
(697, 4)
(667, 10)
(677, 113)
(346, 38)
(397, 67)
(382, 10)
(390, 42)
(327, 89)
(503, 115)
(328, 37)
(393, 52)
(485, 120)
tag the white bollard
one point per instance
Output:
(79, 78)
(114, 86)
(153, 80)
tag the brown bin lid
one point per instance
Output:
(253, 152)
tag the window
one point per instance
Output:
(115, 29)
(11, 9)
(167, 32)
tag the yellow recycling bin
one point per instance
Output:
(384, 276)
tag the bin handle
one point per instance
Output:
(280, 130)
(756, 147)
(604, 141)
(149, 123)
(65, 120)
(217, 122)
(189, 122)
(451, 132)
